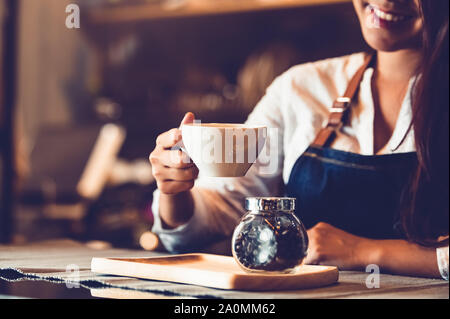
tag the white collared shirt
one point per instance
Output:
(296, 106)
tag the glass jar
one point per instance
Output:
(269, 236)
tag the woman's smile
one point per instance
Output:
(387, 16)
(392, 17)
(390, 25)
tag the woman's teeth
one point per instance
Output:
(387, 16)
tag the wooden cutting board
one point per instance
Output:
(214, 271)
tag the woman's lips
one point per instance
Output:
(388, 16)
(382, 18)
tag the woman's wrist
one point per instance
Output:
(175, 210)
(400, 257)
(369, 251)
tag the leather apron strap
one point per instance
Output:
(341, 106)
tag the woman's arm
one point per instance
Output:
(405, 258)
(188, 217)
(329, 245)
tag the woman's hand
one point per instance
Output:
(175, 175)
(172, 168)
(331, 246)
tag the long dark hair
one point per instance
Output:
(426, 213)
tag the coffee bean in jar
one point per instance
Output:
(269, 236)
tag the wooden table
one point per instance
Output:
(47, 265)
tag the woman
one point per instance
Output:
(373, 191)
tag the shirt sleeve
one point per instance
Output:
(218, 202)
(442, 258)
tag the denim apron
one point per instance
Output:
(356, 193)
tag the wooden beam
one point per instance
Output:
(190, 8)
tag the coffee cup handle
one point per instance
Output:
(180, 147)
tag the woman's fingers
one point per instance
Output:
(172, 137)
(169, 139)
(175, 159)
(172, 168)
(175, 174)
(174, 187)
(183, 175)
(176, 178)
(188, 118)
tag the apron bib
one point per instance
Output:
(357, 193)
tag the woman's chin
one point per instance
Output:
(383, 46)
(388, 44)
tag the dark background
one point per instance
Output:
(142, 74)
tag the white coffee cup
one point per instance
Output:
(223, 150)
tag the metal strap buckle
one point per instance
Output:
(343, 104)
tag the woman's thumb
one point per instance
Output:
(188, 118)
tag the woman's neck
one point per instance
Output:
(389, 85)
(398, 66)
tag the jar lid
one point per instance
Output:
(270, 203)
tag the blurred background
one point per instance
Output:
(80, 108)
